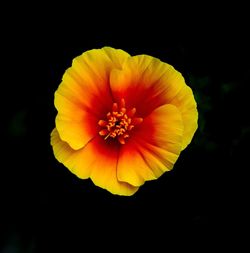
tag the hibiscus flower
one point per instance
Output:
(122, 120)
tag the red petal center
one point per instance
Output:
(119, 122)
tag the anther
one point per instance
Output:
(119, 122)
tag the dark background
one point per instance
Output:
(45, 208)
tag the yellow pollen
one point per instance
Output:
(119, 122)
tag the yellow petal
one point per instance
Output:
(96, 160)
(117, 56)
(186, 104)
(131, 167)
(153, 149)
(74, 160)
(84, 94)
(75, 125)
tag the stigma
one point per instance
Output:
(119, 122)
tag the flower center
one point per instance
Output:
(119, 122)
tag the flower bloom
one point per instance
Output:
(122, 120)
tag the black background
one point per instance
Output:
(45, 208)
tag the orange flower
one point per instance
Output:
(122, 120)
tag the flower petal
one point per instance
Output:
(75, 125)
(74, 160)
(85, 92)
(117, 56)
(131, 167)
(186, 104)
(154, 82)
(96, 160)
(153, 149)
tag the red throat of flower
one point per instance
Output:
(119, 122)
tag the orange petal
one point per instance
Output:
(86, 82)
(154, 148)
(97, 160)
(84, 94)
(154, 82)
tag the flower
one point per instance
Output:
(122, 120)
